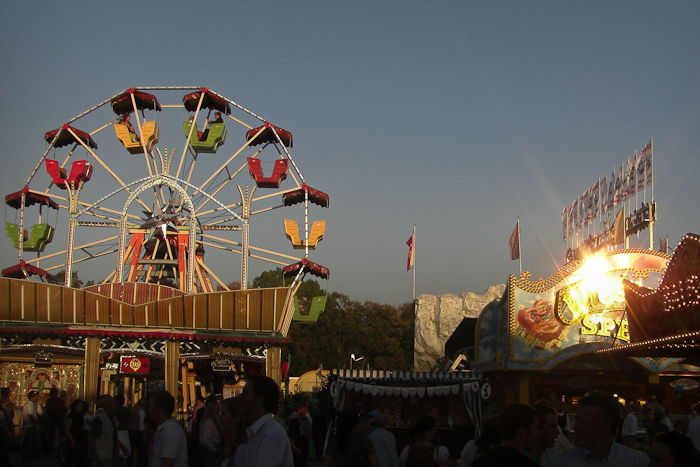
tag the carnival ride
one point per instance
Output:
(141, 215)
(186, 196)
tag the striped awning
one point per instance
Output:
(407, 376)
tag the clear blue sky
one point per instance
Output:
(456, 116)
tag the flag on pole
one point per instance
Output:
(595, 201)
(411, 250)
(604, 195)
(611, 192)
(572, 218)
(619, 227)
(641, 178)
(514, 242)
(650, 162)
(565, 222)
(632, 178)
(663, 245)
(618, 187)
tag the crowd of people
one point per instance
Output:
(536, 435)
(236, 432)
(251, 430)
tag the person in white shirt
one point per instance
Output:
(268, 445)
(596, 422)
(170, 447)
(629, 426)
(31, 441)
(694, 427)
(384, 442)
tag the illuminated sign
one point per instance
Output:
(138, 365)
(599, 290)
(604, 326)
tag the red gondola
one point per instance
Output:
(80, 172)
(297, 196)
(308, 266)
(210, 101)
(122, 104)
(25, 271)
(267, 136)
(66, 138)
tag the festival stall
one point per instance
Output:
(404, 396)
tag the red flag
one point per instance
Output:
(411, 253)
(514, 242)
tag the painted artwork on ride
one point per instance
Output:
(579, 309)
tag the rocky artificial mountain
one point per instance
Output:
(437, 316)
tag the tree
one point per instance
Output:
(75, 282)
(383, 334)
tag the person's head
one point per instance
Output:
(301, 407)
(672, 449)
(107, 403)
(53, 392)
(211, 411)
(358, 403)
(33, 396)
(217, 114)
(160, 406)
(126, 118)
(381, 421)
(190, 118)
(232, 423)
(425, 427)
(78, 406)
(120, 399)
(519, 424)
(259, 396)
(549, 428)
(433, 411)
(546, 396)
(596, 420)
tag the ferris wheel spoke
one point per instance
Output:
(104, 166)
(211, 273)
(63, 252)
(104, 253)
(247, 143)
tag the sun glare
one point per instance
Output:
(598, 288)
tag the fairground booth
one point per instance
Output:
(404, 397)
(574, 331)
(137, 217)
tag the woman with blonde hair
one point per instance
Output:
(232, 425)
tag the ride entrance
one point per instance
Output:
(165, 198)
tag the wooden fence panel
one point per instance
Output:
(228, 310)
(214, 304)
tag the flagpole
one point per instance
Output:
(414, 262)
(520, 255)
(651, 224)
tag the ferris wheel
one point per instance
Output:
(180, 174)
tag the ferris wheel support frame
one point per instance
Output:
(154, 181)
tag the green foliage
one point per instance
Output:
(76, 283)
(383, 334)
